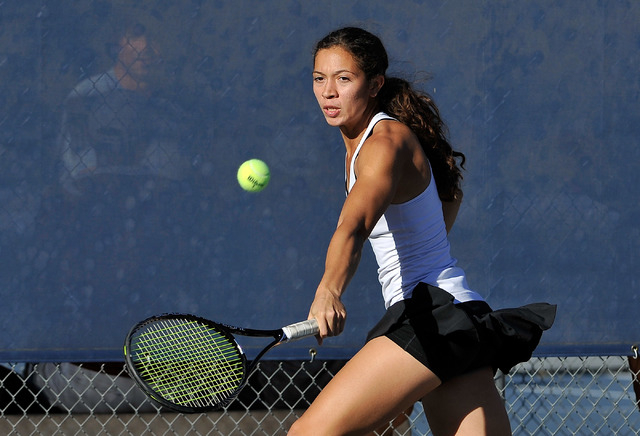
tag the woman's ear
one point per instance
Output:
(376, 84)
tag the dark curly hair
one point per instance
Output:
(399, 99)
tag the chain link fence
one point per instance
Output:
(545, 396)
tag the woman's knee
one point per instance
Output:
(307, 427)
(296, 429)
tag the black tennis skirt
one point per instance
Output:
(453, 339)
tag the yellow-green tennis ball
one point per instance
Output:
(253, 175)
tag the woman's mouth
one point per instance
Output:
(331, 111)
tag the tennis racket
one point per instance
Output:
(190, 364)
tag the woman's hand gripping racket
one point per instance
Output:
(190, 364)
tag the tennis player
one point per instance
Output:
(439, 341)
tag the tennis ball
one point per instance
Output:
(253, 175)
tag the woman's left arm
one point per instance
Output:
(450, 209)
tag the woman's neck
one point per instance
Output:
(352, 135)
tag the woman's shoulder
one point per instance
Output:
(393, 131)
(389, 141)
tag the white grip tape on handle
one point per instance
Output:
(301, 329)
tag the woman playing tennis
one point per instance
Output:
(439, 341)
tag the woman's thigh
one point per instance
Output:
(467, 405)
(377, 384)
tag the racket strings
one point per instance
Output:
(202, 379)
(188, 363)
(194, 378)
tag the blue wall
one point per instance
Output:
(542, 98)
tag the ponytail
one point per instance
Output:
(419, 112)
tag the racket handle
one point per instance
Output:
(301, 330)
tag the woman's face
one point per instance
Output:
(342, 90)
